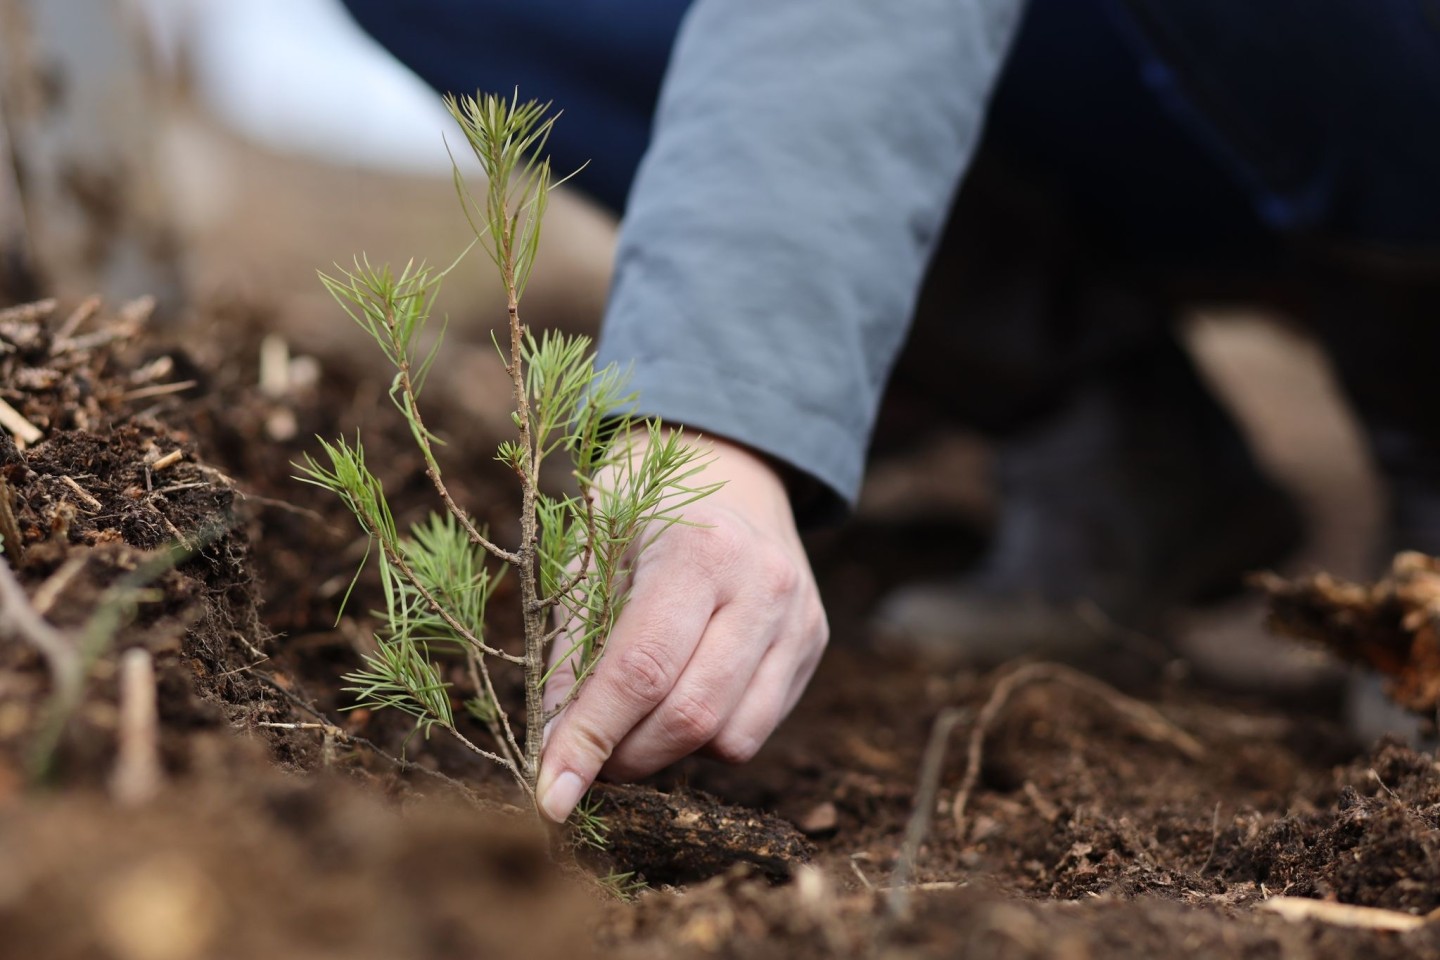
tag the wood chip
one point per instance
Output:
(274, 366)
(13, 542)
(156, 369)
(1297, 909)
(28, 312)
(158, 390)
(137, 776)
(24, 432)
(167, 461)
(821, 818)
(87, 309)
(138, 311)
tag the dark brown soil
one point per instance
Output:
(1087, 833)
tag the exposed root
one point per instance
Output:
(137, 777)
(1392, 625)
(1145, 719)
(919, 825)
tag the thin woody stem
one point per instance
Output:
(480, 680)
(504, 717)
(465, 632)
(496, 758)
(534, 657)
(432, 466)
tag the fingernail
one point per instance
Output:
(559, 796)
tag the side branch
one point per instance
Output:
(587, 554)
(496, 758)
(499, 729)
(465, 632)
(432, 466)
(476, 537)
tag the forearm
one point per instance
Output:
(802, 165)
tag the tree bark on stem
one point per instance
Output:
(529, 539)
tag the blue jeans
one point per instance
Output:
(1190, 122)
(600, 61)
(1327, 111)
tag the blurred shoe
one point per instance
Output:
(1370, 715)
(1139, 496)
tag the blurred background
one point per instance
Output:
(217, 152)
(206, 151)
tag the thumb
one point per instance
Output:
(561, 784)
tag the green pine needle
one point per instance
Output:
(439, 579)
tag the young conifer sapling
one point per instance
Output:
(631, 478)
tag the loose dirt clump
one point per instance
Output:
(1377, 844)
(684, 836)
(107, 485)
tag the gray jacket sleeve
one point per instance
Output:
(802, 164)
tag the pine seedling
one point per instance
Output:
(576, 548)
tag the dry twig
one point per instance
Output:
(1214, 840)
(64, 659)
(158, 390)
(87, 309)
(1146, 720)
(919, 825)
(28, 312)
(85, 496)
(19, 619)
(855, 868)
(50, 591)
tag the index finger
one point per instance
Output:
(651, 644)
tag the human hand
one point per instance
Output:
(722, 631)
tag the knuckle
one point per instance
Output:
(735, 747)
(642, 671)
(817, 626)
(579, 743)
(778, 573)
(690, 722)
(591, 744)
(716, 547)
